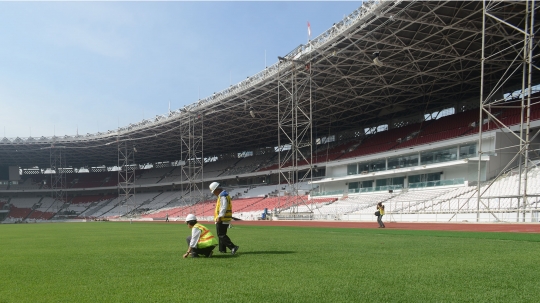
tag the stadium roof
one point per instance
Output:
(431, 58)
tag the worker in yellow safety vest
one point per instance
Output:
(379, 213)
(201, 241)
(223, 217)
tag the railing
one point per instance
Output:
(327, 193)
(464, 209)
(376, 188)
(292, 216)
(455, 181)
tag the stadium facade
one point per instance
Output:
(427, 106)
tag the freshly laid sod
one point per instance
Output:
(142, 262)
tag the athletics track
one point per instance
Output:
(478, 227)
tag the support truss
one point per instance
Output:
(295, 137)
(126, 175)
(58, 177)
(497, 17)
(191, 137)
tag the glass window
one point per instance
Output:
(367, 184)
(467, 151)
(363, 167)
(423, 178)
(353, 185)
(380, 182)
(377, 165)
(352, 169)
(441, 155)
(414, 179)
(426, 158)
(398, 181)
(404, 161)
(433, 177)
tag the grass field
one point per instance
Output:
(142, 262)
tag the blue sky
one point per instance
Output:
(94, 66)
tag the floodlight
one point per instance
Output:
(376, 60)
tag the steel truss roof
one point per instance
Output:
(431, 55)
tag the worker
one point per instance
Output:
(223, 217)
(201, 241)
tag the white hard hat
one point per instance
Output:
(191, 217)
(213, 186)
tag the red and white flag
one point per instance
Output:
(309, 29)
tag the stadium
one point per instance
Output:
(429, 107)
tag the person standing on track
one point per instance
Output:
(380, 210)
(201, 241)
(223, 217)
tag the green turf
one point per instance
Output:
(141, 262)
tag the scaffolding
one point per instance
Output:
(295, 132)
(497, 17)
(126, 175)
(191, 151)
(58, 177)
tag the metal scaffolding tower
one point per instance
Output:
(499, 17)
(58, 178)
(295, 133)
(126, 175)
(191, 150)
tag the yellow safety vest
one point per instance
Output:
(381, 210)
(228, 212)
(207, 238)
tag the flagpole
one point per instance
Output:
(309, 31)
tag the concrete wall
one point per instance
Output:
(502, 156)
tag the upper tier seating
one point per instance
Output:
(152, 176)
(248, 164)
(28, 182)
(24, 202)
(90, 198)
(86, 180)
(216, 168)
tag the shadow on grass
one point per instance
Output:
(264, 252)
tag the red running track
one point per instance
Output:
(480, 227)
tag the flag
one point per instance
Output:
(309, 29)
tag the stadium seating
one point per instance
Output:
(251, 200)
(248, 164)
(19, 213)
(152, 176)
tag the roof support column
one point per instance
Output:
(192, 155)
(58, 177)
(126, 175)
(295, 137)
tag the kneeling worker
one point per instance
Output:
(201, 241)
